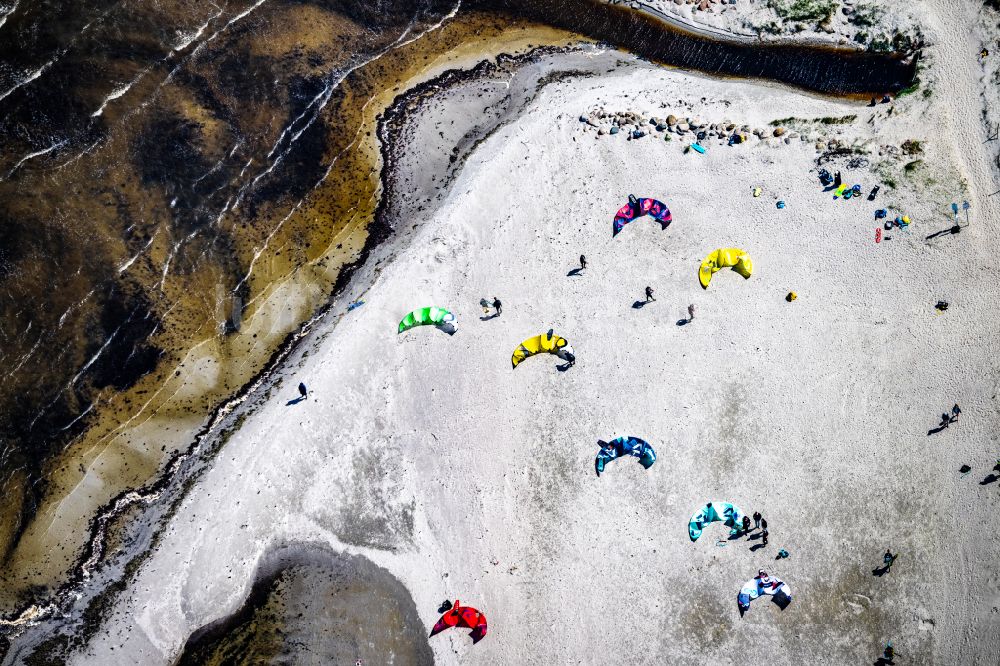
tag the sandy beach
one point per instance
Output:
(466, 479)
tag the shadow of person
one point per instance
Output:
(882, 661)
(575, 272)
(934, 431)
(990, 478)
(638, 305)
(950, 230)
(295, 401)
(488, 317)
(881, 571)
(683, 322)
(757, 546)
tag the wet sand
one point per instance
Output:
(314, 606)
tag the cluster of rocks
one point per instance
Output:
(636, 126)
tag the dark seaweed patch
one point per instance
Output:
(300, 170)
(169, 151)
(393, 13)
(15, 239)
(126, 321)
(169, 154)
(242, 75)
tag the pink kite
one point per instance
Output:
(636, 208)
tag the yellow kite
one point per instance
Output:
(724, 257)
(547, 342)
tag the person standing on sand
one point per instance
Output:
(947, 419)
(837, 180)
(497, 305)
(583, 263)
(756, 519)
(746, 525)
(763, 524)
(303, 391)
(649, 294)
(888, 559)
(691, 313)
(763, 536)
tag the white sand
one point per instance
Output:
(814, 413)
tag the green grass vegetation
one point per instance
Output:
(887, 171)
(769, 28)
(900, 41)
(879, 43)
(827, 120)
(803, 10)
(910, 88)
(838, 120)
(912, 147)
(867, 15)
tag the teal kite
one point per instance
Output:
(432, 316)
(731, 516)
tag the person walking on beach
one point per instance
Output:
(303, 391)
(746, 525)
(763, 536)
(763, 524)
(756, 519)
(497, 305)
(691, 313)
(649, 294)
(888, 559)
(947, 419)
(583, 263)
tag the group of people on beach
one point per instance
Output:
(758, 523)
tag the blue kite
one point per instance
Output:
(625, 446)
